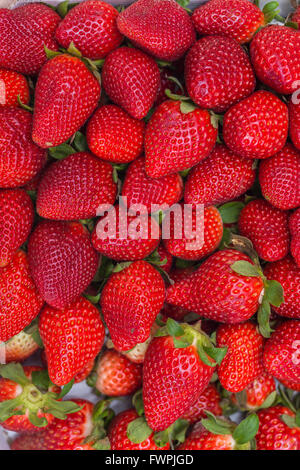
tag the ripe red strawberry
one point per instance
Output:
(82, 375)
(13, 84)
(139, 188)
(294, 122)
(267, 228)
(118, 434)
(282, 353)
(72, 338)
(209, 400)
(173, 311)
(243, 361)
(218, 73)
(20, 347)
(24, 32)
(115, 136)
(256, 393)
(160, 27)
(294, 224)
(92, 28)
(239, 19)
(257, 126)
(221, 177)
(131, 80)
(274, 433)
(16, 219)
(166, 131)
(62, 261)
(206, 231)
(274, 57)
(117, 375)
(75, 187)
(130, 302)
(279, 178)
(20, 301)
(287, 273)
(216, 292)
(66, 94)
(20, 158)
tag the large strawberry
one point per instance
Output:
(160, 27)
(12, 85)
(279, 178)
(66, 94)
(91, 26)
(276, 429)
(218, 73)
(274, 55)
(221, 177)
(75, 187)
(168, 128)
(62, 261)
(257, 126)
(16, 219)
(259, 393)
(24, 32)
(131, 79)
(20, 347)
(294, 224)
(130, 302)
(115, 136)
(20, 158)
(209, 400)
(20, 301)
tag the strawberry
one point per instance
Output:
(131, 80)
(287, 273)
(209, 400)
(166, 259)
(279, 178)
(267, 228)
(72, 338)
(166, 131)
(216, 292)
(239, 19)
(12, 85)
(24, 32)
(20, 158)
(66, 94)
(259, 393)
(20, 347)
(160, 27)
(274, 57)
(16, 219)
(117, 375)
(115, 136)
(294, 224)
(282, 353)
(169, 80)
(20, 301)
(294, 122)
(140, 189)
(274, 433)
(206, 230)
(75, 187)
(81, 376)
(218, 73)
(202, 439)
(62, 261)
(257, 126)
(221, 177)
(130, 302)
(178, 366)
(91, 27)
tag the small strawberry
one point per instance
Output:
(294, 122)
(75, 187)
(24, 31)
(20, 158)
(66, 94)
(257, 126)
(209, 400)
(20, 301)
(12, 85)
(117, 375)
(274, 432)
(160, 27)
(130, 302)
(20, 347)
(72, 338)
(169, 127)
(115, 136)
(91, 26)
(294, 224)
(259, 393)
(62, 261)
(16, 219)
(279, 178)
(131, 80)
(221, 177)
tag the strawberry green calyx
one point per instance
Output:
(230, 211)
(271, 12)
(77, 143)
(186, 105)
(102, 416)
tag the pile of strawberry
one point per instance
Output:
(161, 106)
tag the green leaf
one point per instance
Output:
(181, 343)
(102, 444)
(246, 430)
(216, 427)
(61, 151)
(8, 409)
(137, 401)
(226, 238)
(138, 430)
(217, 354)
(274, 293)
(203, 356)
(297, 419)
(37, 338)
(245, 268)
(269, 400)
(161, 438)
(271, 6)
(187, 107)
(72, 49)
(230, 212)
(94, 299)
(290, 421)
(66, 389)
(51, 54)
(173, 328)
(263, 318)
(40, 379)
(80, 142)
(62, 8)
(183, 3)
(37, 421)
(175, 97)
(179, 429)
(14, 371)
